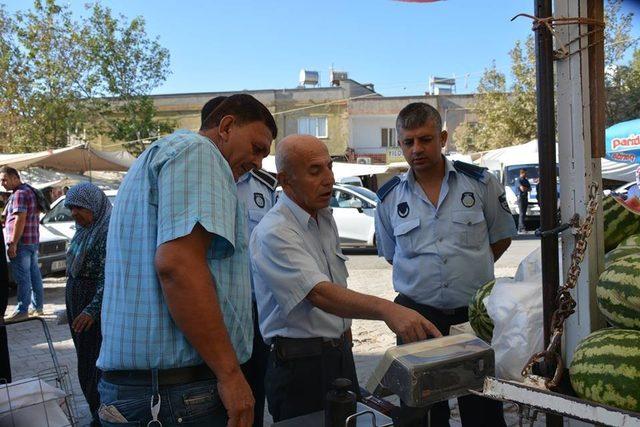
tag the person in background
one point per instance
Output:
(91, 210)
(256, 190)
(22, 237)
(524, 187)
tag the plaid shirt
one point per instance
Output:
(23, 199)
(177, 182)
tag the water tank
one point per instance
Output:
(336, 76)
(309, 78)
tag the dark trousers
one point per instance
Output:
(255, 368)
(474, 410)
(523, 204)
(298, 386)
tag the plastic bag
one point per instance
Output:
(516, 310)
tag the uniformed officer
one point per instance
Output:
(524, 187)
(442, 225)
(256, 190)
(300, 278)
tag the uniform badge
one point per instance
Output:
(403, 209)
(468, 199)
(259, 199)
(503, 202)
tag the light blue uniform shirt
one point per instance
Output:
(177, 182)
(257, 198)
(290, 254)
(441, 256)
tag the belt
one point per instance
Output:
(166, 377)
(294, 348)
(452, 311)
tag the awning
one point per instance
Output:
(340, 170)
(78, 159)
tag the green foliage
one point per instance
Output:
(61, 77)
(507, 115)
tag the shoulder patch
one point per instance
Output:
(265, 178)
(472, 171)
(387, 187)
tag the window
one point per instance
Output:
(316, 126)
(388, 136)
(58, 214)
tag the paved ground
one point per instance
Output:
(368, 273)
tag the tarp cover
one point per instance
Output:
(78, 159)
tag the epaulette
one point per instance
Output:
(387, 187)
(265, 178)
(472, 171)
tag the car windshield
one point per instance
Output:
(513, 172)
(363, 192)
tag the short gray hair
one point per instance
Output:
(417, 114)
(282, 158)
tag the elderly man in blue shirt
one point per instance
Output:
(442, 225)
(256, 191)
(176, 313)
(300, 279)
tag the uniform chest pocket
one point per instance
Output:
(407, 239)
(470, 227)
(255, 216)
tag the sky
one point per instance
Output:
(250, 44)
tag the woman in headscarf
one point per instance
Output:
(91, 210)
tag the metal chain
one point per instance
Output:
(565, 302)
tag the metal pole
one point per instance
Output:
(548, 180)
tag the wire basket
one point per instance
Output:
(46, 399)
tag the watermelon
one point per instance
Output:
(606, 368)
(478, 318)
(618, 292)
(620, 252)
(631, 241)
(619, 223)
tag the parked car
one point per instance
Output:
(354, 212)
(59, 218)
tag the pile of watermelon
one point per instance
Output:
(478, 317)
(606, 364)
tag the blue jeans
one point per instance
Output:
(26, 273)
(193, 404)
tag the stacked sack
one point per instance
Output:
(606, 364)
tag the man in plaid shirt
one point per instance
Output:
(22, 236)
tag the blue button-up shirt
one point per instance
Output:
(179, 181)
(441, 255)
(290, 254)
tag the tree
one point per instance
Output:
(507, 116)
(61, 77)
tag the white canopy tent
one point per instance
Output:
(42, 178)
(76, 159)
(340, 170)
(528, 153)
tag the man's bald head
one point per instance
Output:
(304, 170)
(295, 148)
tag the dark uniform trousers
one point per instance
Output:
(523, 205)
(300, 373)
(255, 368)
(475, 411)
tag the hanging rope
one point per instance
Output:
(563, 51)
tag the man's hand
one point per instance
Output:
(408, 324)
(83, 322)
(12, 251)
(238, 400)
